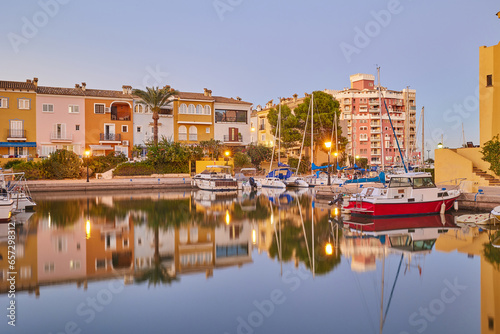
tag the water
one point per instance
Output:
(227, 263)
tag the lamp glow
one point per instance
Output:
(329, 249)
(228, 217)
(254, 237)
(87, 229)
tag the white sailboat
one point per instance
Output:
(273, 179)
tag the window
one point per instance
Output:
(183, 109)
(100, 264)
(193, 133)
(263, 137)
(199, 109)
(23, 103)
(74, 265)
(230, 116)
(191, 109)
(77, 127)
(16, 129)
(47, 107)
(98, 108)
(399, 182)
(124, 128)
(138, 129)
(139, 108)
(73, 109)
(4, 102)
(59, 131)
(208, 110)
(46, 150)
(489, 80)
(363, 136)
(182, 132)
(423, 182)
(49, 267)
(207, 130)
(125, 243)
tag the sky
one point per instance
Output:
(260, 50)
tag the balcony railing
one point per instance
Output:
(374, 102)
(54, 136)
(193, 137)
(262, 127)
(374, 109)
(16, 133)
(232, 140)
(110, 137)
(182, 136)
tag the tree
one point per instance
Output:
(491, 154)
(212, 147)
(241, 160)
(258, 153)
(155, 98)
(291, 134)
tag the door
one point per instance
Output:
(109, 132)
(233, 134)
(16, 129)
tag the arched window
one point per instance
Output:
(193, 133)
(208, 110)
(139, 108)
(182, 132)
(183, 109)
(199, 109)
(191, 109)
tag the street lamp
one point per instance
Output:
(87, 154)
(328, 145)
(440, 145)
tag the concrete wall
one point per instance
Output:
(450, 165)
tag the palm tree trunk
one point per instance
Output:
(155, 127)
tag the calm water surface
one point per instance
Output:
(248, 263)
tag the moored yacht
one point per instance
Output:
(407, 194)
(216, 178)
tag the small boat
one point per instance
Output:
(14, 187)
(216, 178)
(6, 209)
(296, 182)
(407, 194)
(496, 212)
(246, 179)
(276, 178)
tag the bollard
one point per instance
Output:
(479, 192)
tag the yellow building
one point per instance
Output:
(452, 164)
(489, 92)
(18, 118)
(193, 117)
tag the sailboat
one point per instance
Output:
(275, 178)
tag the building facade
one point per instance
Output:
(60, 114)
(489, 92)
(18, 118)
(366, 125)
(232, 121)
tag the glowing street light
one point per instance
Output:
(329, 249)
(440, 145)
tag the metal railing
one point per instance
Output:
(228, 139)
(16, 133)
(60, 136)
(110, 137)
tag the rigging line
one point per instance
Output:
(392, 290)
(305, 234)
(303, 139)
(275, 232)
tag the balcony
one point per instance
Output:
(16, 134)
(183, 136)
(374, 102)
(228, 139)
(377, 123)
(363, 109)
(374, 139)
(193, 137)
(60, 137)
(375, 145)
(110, 137)
(374, 109)
(375, 130)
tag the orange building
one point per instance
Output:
(109, 121)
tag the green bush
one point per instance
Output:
(11, 163)
(242, 160)
(32, 170)
(62, 164)
(101, 164)
(131, 168)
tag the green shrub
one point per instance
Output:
(62, 164)
(101, 164)
(131, 168)
(32, 170)
(242, 160)
(11, 163)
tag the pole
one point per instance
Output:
(382, 139)
(329, 179)
(423, 136)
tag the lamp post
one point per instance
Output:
(328, 145)
(440, 145)
(87, 154)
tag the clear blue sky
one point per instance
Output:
(259, 50)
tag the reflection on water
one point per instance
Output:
(154, 240)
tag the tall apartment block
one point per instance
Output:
(365, 122)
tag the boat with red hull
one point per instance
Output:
(410, 194)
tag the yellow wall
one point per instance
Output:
(450, 165)
(489, 96)
(201, 165)
(12, 113)
(201, 128)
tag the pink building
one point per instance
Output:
(60, 114)
(366, 125)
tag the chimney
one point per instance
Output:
(306, 95)
(238, 98)
(205, 92)
(28, 80)
(35, 81)
(295, 97)
(84, 86)
(127, 89)
(269, 104)
(77, 86)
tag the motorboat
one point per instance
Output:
(407, 194)
(13, 186)
(246, 179)
(496, 212)
(276, 178)
(6, 209)
(216, 178)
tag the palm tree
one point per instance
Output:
(155, 98)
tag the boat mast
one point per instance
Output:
(423, 134)
(382, 294)
(463, 135)
(396, 137)
(279, 135)
(382, 139)
(274, 144)
(312, 130)
(407, 125)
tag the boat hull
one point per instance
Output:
(216, 185)
(496, 212)
(401, 209)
